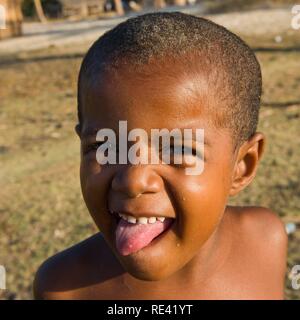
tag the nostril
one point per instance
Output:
(135, 180)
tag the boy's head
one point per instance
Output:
(168, 70)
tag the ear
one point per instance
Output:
(247, 160)
(77, 129)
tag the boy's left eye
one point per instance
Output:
(182, 154)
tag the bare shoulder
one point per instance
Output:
(263, 226)
(63, 275)
(261, 241)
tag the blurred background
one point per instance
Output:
(41, 207)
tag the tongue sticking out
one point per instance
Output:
(131, 237)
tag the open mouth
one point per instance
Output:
(135, 233)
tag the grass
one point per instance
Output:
(42, 210)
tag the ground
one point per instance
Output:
(42, 210)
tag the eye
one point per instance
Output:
(190, 157)
(184, 155)
(191, 152)
(108, 146)
(95, 146)
(180, 155)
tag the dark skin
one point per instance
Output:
(211, 251)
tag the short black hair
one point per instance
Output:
(174, 34)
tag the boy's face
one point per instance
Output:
(195, 202)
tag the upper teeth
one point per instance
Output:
(141, 220)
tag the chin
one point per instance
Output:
(147, 270)
(147, 275)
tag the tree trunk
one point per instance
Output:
(119, 7)
(84, 9)
(39, 11)
(180, 2)
(13, 17)
(159, 4)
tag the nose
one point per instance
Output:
(134, 180)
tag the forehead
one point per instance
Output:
(152, 97)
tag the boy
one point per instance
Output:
(166, 234)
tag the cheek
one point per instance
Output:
(95, 181)
(201, 204)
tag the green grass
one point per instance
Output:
(42, 210)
